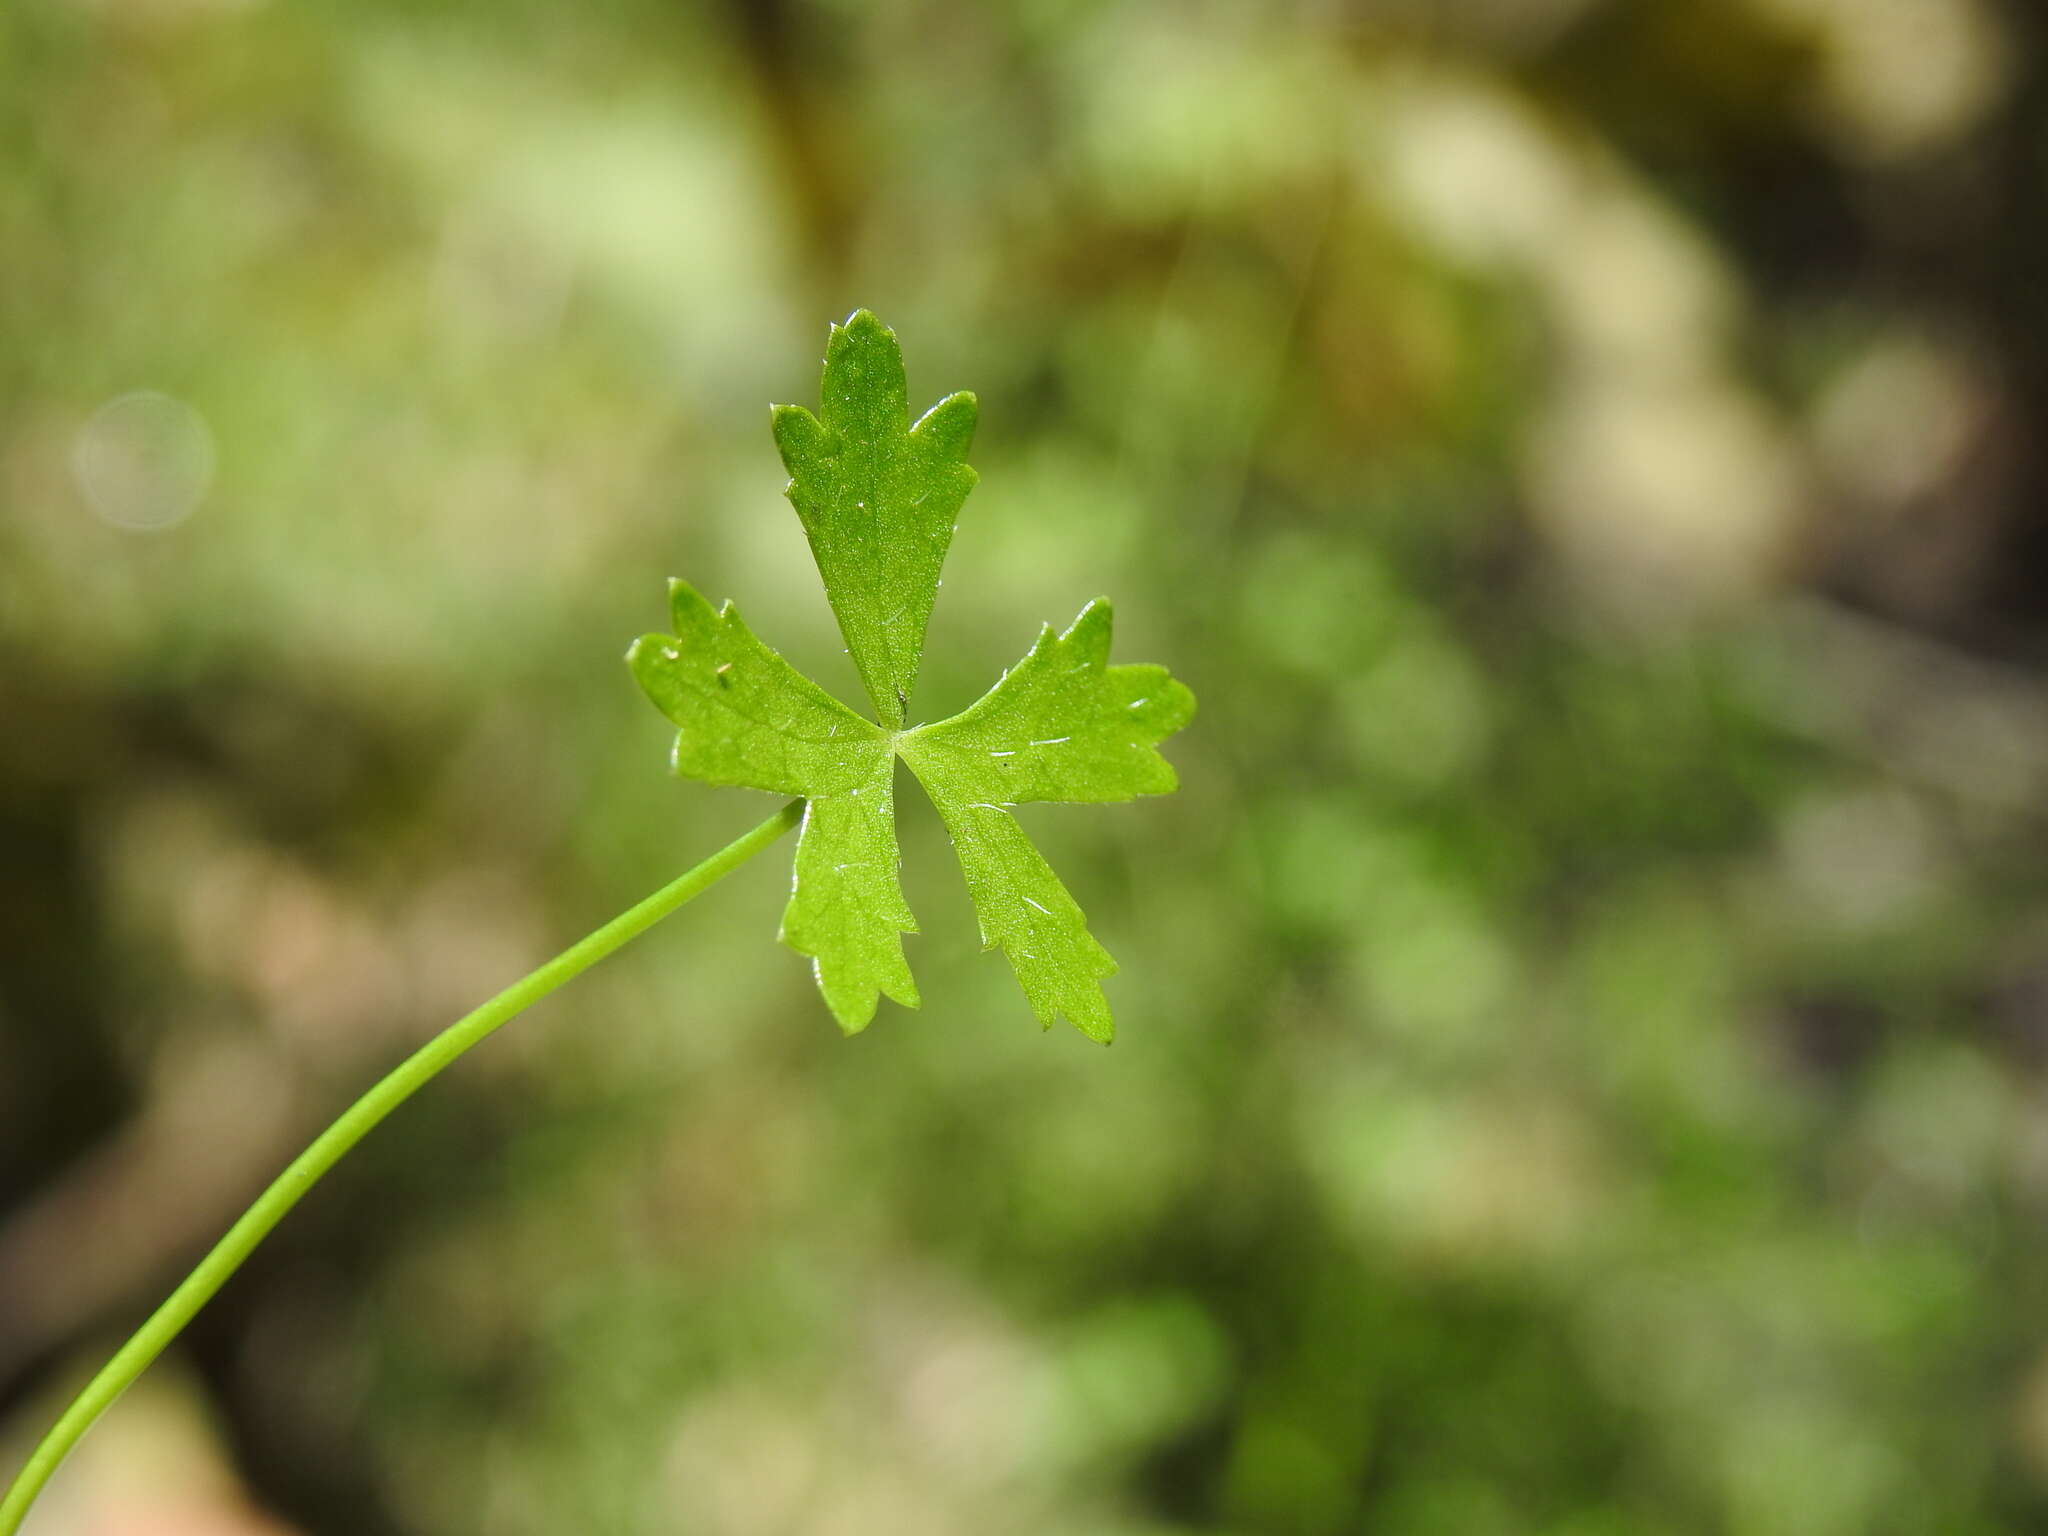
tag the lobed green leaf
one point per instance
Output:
(1025, 911)
(846, 909)
(1061, 725)
(747, 717)
(877, 497)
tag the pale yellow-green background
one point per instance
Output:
(1583, 1034)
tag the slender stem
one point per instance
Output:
(334, 1143)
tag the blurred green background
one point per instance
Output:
(1584, 1055)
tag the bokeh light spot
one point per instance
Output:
(143, 461)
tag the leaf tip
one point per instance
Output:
(947, 430)
(862, 342)
(864, 323)
(1099, 614)
(687, 607)
(652, 661)
(798, 434)
(853, 1008)
(1096, 1022)
(1089, 634)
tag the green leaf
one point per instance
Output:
(1026, 912)
(747, 717)
(846, 909)
(877, 497)
(1061, 725)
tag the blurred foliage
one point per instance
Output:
(1584, 1066)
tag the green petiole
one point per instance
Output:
(164, 1325)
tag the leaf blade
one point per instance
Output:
(744, 715)
(877, 498)
(846, 905)
(877, 495)
(1060, 725)
(1025, 911)
(1063, 724)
